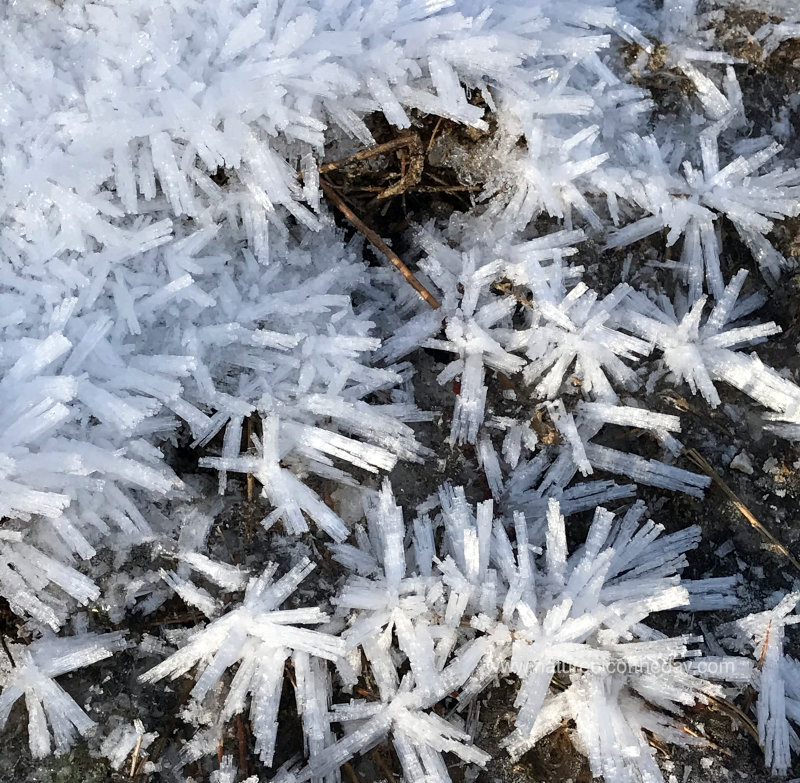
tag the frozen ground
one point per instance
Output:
(145, 231)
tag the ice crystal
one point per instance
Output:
(176, 297)
(688, 204)
(418, 735)
(385, 600)
(577, 327)
(775, 679)
(54, 718)
(700, 350)
(260, 637)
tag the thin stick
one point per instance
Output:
(340, 204)
(705, 466)
(135, 758)
(422, 189)
(370, 152)
(433, 134)
(242, 740)
(182, 618)
(7, 651)
(444, 189)
(251, 484)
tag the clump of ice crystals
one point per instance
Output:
(171, 276)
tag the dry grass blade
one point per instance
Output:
(704, 465)
(506, 287)
(705, 740)
(733, 712)
(764, 645)
(135, 758)
(377, 242)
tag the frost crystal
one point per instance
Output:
(53, 715)
(419, 735)
(385, 600)
(774, 677)
(260, 637)
(181, 317)
(689, 204)
(475, 330)
(700, 351)
(577, 327)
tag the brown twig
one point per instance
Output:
(251, 483)
(7, 651)
(433, 134)
(705, 466)
(411, 173)
(189, 617)
(444, 189)
(377, 242)
(420, 189)
(241, 737)
(370, 152)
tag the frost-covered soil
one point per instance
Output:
(267, 514)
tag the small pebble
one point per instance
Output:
(742, 463)
(723, 550)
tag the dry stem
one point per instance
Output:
(377, 242)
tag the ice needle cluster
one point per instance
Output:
(206, 377)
